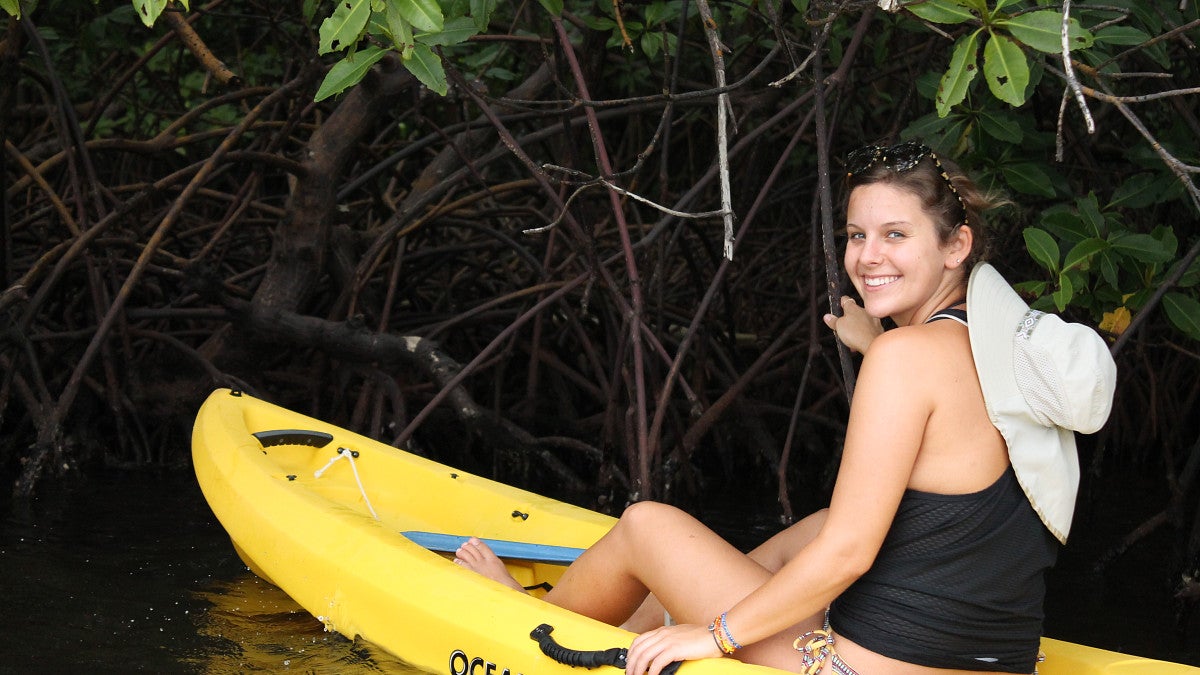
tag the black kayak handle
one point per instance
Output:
(614, 657)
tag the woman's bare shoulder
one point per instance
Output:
(912, 355)
(921, 341)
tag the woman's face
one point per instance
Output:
(894, 257)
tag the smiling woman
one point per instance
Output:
(932, 555)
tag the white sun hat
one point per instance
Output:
(1043, 379)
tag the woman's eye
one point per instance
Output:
(854, 235)
(895, 234)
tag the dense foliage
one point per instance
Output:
(499, 232)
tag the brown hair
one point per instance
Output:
(930, 179)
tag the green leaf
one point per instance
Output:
(651, 43)
(424, 15)
(943, 134)
(600, 23)
(555, 7)
(1158, 52)
(941, 11)
(926, 83)
(455, 32)
(399, 29)
(1001, 125)
(149, 10)
(1138, 192)
(963, 68)
(1006, 70)
(1108, 268)
(1042, 248)
(1028, 178)
(1184, 312)
(13, 7)
(427, 67)
(349, 71)
(1065, 223)
(1066, 291)
(481, 13)
(658, 12)
(1121, 35)
(1031, 288)
(1081, 255)
(1042, 31)
(1192, 276)
(343, 28)
(1141, 247)
(1166, 236)
(1089, 210)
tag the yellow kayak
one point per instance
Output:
(358, 533)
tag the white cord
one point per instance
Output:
(349, 454)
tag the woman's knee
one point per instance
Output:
(649, 518)
(640, 513)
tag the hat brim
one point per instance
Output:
(1044, 458)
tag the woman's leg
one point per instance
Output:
(653, 546)
(772, 554)
(659, 548)
(692, 571)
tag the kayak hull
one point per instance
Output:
(320, 511)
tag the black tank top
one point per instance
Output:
(959, 581)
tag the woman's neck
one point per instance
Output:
(951, 297)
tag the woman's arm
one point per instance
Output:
(892, 403)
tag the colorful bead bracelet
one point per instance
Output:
(721, 635)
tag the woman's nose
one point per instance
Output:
(871, 251)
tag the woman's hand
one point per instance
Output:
(655, 650)
(855, 328)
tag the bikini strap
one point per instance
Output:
(959, 315)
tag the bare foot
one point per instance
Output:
(479, 558)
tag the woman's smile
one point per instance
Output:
(872, 282)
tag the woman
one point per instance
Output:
(929, 559)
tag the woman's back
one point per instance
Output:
(961, 451)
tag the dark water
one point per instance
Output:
(129, 572)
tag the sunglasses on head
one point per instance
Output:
(899, 158)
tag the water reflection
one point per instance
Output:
(255, 627)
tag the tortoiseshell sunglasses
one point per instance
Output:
(899, 158)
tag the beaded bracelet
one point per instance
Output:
(724, 639)
(728, 635)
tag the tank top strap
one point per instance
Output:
(959, 315)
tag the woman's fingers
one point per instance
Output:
(659, 648)
(855, 328)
